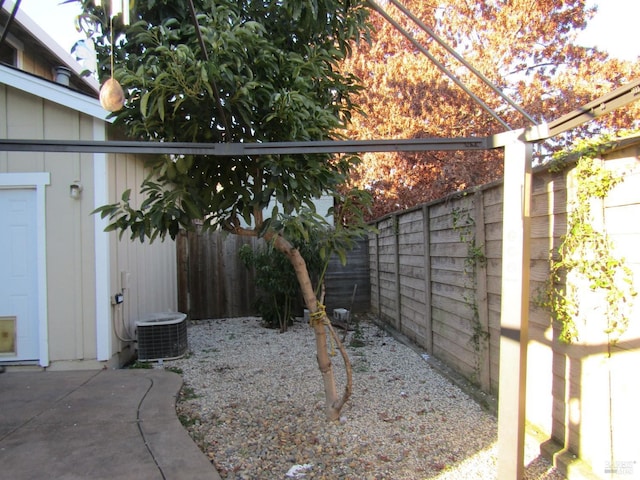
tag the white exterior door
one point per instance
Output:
(19, 270)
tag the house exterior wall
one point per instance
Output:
(29, 61)
(31, 64)
(80, 314)
(69, 244)
(146, 274)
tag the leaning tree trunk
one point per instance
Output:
(321, 324)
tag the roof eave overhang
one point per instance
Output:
(51, 45)
(52, 92)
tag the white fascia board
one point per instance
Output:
(50, 44)
(52, 92)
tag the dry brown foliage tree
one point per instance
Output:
(525, 47)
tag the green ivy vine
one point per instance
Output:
(586, 253)
(464, 225)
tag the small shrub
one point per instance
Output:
(277, 281)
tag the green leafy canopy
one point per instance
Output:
(268, 72)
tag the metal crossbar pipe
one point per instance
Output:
(247, 149)
(12, 17)
(438, 64)
(462, 60)
(607, 103)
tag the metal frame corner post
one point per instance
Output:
(514, 316)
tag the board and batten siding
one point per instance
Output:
(69, 233)
(436, 278)
(146, 273)
(74, 312)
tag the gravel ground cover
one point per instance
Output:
(254, 402)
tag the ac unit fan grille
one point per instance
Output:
(158, 341)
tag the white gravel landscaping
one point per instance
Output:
(254, 403)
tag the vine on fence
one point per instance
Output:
(463, 224)
(586, 254)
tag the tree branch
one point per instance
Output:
(206, 57)
(347, 367)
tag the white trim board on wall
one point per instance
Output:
(102, 252)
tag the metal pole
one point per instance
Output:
(442, 68)
(514, 310)
(12, 17)
(624, 95)
(245, 149)
(461, 59)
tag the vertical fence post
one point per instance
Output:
(484, 343)
(514, 316)
(182, 248)
(379, 301)
(396, 245)
(427, 279)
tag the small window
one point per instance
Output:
(8, 54)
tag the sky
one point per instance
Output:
(611, 29)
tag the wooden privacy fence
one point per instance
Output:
(435, 275)
(436, 278)
(214, 283)
(212, 280)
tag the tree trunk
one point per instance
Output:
(320, 324)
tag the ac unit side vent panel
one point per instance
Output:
(161, 338)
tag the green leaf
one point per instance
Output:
(161, 108)
(191, 209)
(144, 104)
(183, 164)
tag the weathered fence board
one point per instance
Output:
(340, 280)
(451, 305)
(214, 283)
(447, 263)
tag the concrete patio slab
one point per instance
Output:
(95, 424)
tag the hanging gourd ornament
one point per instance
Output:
(111, 95)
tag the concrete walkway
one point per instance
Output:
(95, 425)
